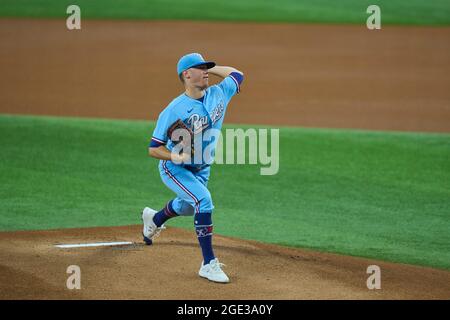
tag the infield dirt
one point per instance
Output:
(32, 268)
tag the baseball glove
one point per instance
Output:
(179, 124)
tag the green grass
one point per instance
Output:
(415, 12)
(384, 195)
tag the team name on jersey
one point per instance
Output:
(197, 123)
(217, 112)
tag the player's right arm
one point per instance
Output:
(157, 147)
(162, 153)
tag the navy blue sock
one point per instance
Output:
(165, 214)
(203, 228)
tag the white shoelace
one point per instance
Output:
(157, 231)
(216, 266)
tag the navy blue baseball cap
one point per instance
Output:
(192, 60)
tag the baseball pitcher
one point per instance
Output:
(179, 142)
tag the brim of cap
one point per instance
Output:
(208, 64)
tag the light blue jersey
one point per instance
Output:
(189, 181)
(197, 115)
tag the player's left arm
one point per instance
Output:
(223, 71)
(233, 78)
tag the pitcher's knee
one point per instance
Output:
(206, 204)
(182, 207)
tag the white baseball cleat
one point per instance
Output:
(150, 230)
(213, 272)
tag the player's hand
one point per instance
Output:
(185, 157)
(181, 158)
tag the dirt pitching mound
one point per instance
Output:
(31, 267)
